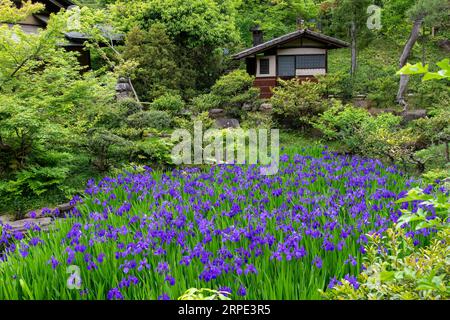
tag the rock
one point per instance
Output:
(65, 207)
(227, 123)
(4, 219)
(41, 213)
(247, 107)
(34, 214)
(216, 113)
(444, 44)
(414, 114)
(21, 225)
(265, 107)
(56, 212)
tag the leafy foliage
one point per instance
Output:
(155, 54)
(47, 108)
(230, 93)
(204, 294)
(383, 136)
(11, 13)
(275, 17)
(172, 103)
(199, 28)
(58, 120)
(422, 274)
(419, 68)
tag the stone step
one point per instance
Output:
(62, 209)
(4, 219)
(21, 225)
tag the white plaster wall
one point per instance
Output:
(272, 67)
(300, 51)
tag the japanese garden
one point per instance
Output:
(224, 150)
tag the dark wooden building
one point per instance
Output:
(300, 54)
(75, 40)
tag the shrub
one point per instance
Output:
(152, 151)
(205, 102)
(233, 84)
(434, 175)
(172, 103)
(296, 104)
(434, 130)
(157, 56)
(423, 274)
(383, 137)
(129, 106)
(383, 91)
(379, 136)
(156, 119)
(343, 123)
(31, 182)
(338, 84)
(257, 120)
(230, 92)
(188, 124)
(140, 120)
(362, 133)
(105, 146)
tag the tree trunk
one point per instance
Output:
(134, 91)
(353, 36)
(403, 85)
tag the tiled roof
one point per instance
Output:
(332, 43)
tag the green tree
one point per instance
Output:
(422, 12)
(11, 13)
(47, 108)
(155, 54)
(350, 17)
(201, 30)
(274, 17)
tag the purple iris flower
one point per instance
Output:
(53, 262)
(317, 261)
(242, 291)
(114, 294)
(164, 296)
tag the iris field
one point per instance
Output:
(153, 235)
